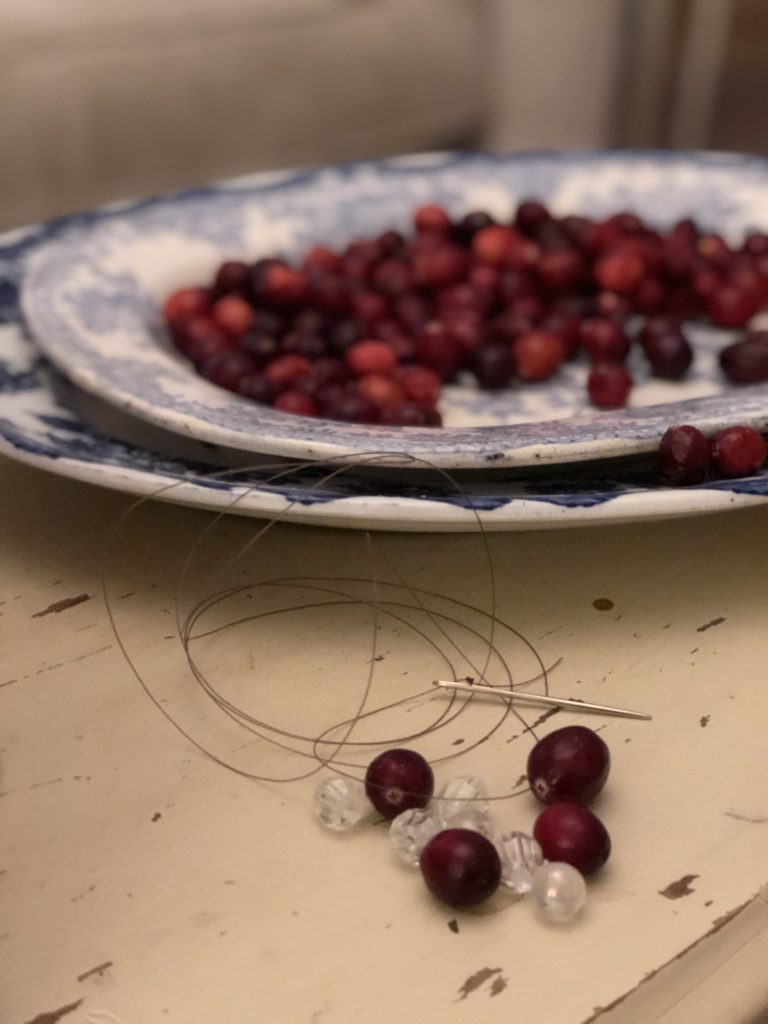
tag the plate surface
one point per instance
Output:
(35, 428)
(92, 293)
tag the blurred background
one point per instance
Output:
(106, 99)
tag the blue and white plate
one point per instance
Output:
(35, 428)
(92, 291)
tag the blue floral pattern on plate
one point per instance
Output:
(91, 293)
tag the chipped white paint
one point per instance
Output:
(139, 882)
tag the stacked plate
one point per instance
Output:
(91, 388)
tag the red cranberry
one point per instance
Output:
(756, 243)
(186, 303)
(344, 334)
(431, 218)
(566, 326)
(314, 320)
(440, 268)
(330, 293)
(499, 246)
(649, 295)
(613, 306)
(369, 306)
(199, 338)
(466, 229)
(393, 277)
(714, 250)
(321, 258)
(412, 311)
(370, 356)
(327, 396)
(398, 780)
(582, 232)
(390, 243)
(620, 270)
(657, 325)
(326, 370)
(460, 867)
(609, 385)
(493, 365)
(538, 354)
(227, 368)
(348, 406)
(382, 391)
(738, 451)
(746, 361)
(604, 340)
(256, 387)
(439, 351)
(262, 347)
(573, 834)
(299, 403)
(568, 765)
(560, 269)
(510, 284)
(407, 414)
(669, 354)
(531, 216)
(280, 285)
(420, 384)
(730, 306)
(232, 276)
(304, 343)
(284, 370)
(684, 454)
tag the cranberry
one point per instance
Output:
(460, 867)
(493, 365)
(297, 402)
(560, 269)
(321, 258)
(370, 356)
(348, 406)
(420, 384)
(731, 306)
(390, 243)
(343, 334)
(756, 243)
(609, 385)
(566, 326)
(573, 834)
(470, 224)
(604, 339)
(649, 295)
(440, 268)
(398, 780)
(314, 320)
(570, 765)
(199, 338)
(383, 391)
(669, 354)
(613, 306)
(538, 354)
(511, 284)
(327, 396)
(256, 387)
(620, 270)
(531, 216)
(469, 330)
(657, 325)
(280, 285)
(439, 351)
(684, 454)
(330, 293)
(746, 361)
(304, 343)
(284, 370)
(738, 451)
(186, 303)
(393, 277)
(714, 250)
(369, 306)
(501, 246)
(226, 368)
(431, 218)
(407, 414)
(326, 371)
(232, 276)
(412, 311)
(582, 232)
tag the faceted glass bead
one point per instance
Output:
(477, 819)
(559, 890)
(520, 856)
(340, 803)
(460, 793)
(410, 832)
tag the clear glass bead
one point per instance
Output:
(520, 856)
(340, 803)
(478, 819)
(410, 832)
(458, 794)
(560, 891)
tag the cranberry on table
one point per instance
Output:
(684, 455)
(460, 867)
(746, 361)
(570, 764)
(739, 451)
(572, 834)
(669, 353)
(538, 355)
(493, 365)
(397, 780)
(609, 385)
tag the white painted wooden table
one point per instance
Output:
(141, 882)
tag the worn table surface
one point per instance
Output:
(141, 881)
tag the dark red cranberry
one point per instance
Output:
(756, 243)
(684, 454)
(569, 765)
(384, 392)
(284, 370)
(746, 361)
(199, 338)
(407, 414)
(498, 246)
(573, 834)
(321, 258)
(262, 347)
(460, 867)
(582, 232)
(266, 321)
(679, 249)
(370, 356)
(326, 370)
(609, 385)
(330, 293)
(393, 277)
(538, 355)
(468, 226)
(256, 387)
(412, 311)
(369, 306)
(420, 384)
(657, 325)
(714, 250)
(531, 216)
(669, 354)
(343, 334)
(227, 368)
(186, 303)
(232, 276)
(299, 403)
(649, 295)
(439, 351)
(398, 780)
(730, 306)
(512, 284)
(304, 343)
(613, 306)
(738, 451)
(493, 365)
(327, 396)
(604, 339)
(280, 285)
(560, 269)
(440, 268)
(469, 330)
(620, 270)
(566, 326)
(314, 320)
(432, 218)
(390, 243)
(349, 406)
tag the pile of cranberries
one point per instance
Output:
(371, 332)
